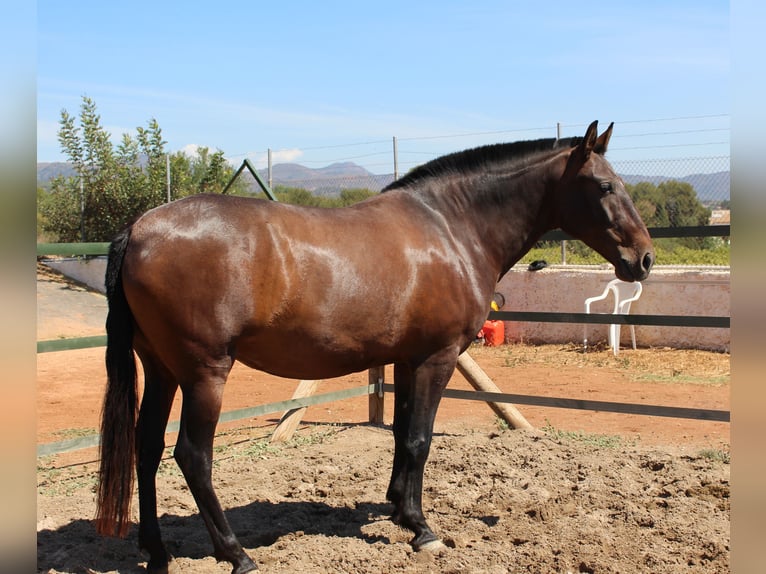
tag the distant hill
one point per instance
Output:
(46, 171)
(296, 172)
(331, 179)
(327, 180)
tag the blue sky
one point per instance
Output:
(319, 82)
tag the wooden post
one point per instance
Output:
(292, 418)
(376, 376)
(480, 381)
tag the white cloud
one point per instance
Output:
(285, 155)
(261, 159)
(191, 150)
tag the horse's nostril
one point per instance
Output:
(648, 261)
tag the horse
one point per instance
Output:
(403, 278)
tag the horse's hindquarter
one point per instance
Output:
(301, 293)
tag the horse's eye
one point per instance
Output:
(606, 186)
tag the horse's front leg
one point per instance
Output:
(418, 391)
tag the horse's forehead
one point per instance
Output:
(598, 168)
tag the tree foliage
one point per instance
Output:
(300, 196)
(671, 204)
(115, 185)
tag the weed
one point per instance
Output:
(676, 377)
(716, 455)
(63, 482)
(262, 447)
(319, 436)
(75, 433)
(256, 449)
(597, 440)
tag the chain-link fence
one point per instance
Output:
(709, 176)
(693, 150)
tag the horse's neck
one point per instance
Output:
(507, 214)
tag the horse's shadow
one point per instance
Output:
(75, 547)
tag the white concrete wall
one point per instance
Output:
(89, 271)
(668, 291)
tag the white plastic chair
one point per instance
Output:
(624, 294)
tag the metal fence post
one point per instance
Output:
(396, 160)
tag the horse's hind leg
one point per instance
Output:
(194, 454)
(159, 391)
(417, 395)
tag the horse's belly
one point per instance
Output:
(293, 358)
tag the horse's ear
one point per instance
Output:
(591, 136)
(603, 140)
(581, 152)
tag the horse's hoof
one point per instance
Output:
(165, 567)
(434, 547)
(246, 566)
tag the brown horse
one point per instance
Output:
(310, 293)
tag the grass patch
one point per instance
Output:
(261, 448)
(67, 434)
(52, 481)
(668, 253)
(681, 378)
(716, 455)
(318, 436)
(591, 439)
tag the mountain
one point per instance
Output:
(46, 171)
(329, 180)
(294, 171)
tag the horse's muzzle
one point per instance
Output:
(637, 270)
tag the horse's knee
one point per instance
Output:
(417, 446)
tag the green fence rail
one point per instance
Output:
(89, 441)
(53, 345)
(72, 249)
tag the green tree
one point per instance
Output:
(671, 204)
(649, 204)
(298, 196)
(202, 172)
(682, 206)
(111, 186)
(354, 195)
(115, 185)
(210, 171)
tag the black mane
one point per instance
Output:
(477, 158)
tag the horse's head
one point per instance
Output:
(596, 209)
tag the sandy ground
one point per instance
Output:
(589, 492)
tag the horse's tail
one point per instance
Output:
(119, 411)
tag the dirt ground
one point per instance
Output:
(586, 492)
